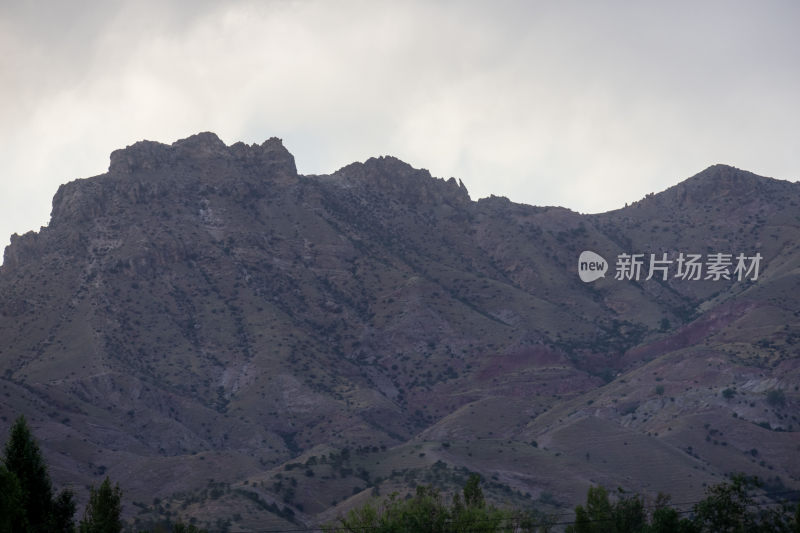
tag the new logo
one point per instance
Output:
(591, 266)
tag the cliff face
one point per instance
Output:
(202, 311)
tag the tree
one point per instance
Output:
(103, 511)
(629, 512)
(728, 393)
(665, 518)
(474, 514)
(11, 513)
(63, 512)
(725, 508)
(473, 495)
(24, 460)
(597, 516)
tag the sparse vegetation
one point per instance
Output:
(776, 398)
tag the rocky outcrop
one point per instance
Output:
(204, 152)
(148, 171)
(389, 175)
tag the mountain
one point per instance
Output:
(235, 342)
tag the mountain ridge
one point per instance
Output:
(202, 311)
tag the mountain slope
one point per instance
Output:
(202, 312)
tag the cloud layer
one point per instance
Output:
(587, 105)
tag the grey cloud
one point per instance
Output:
(585, 104)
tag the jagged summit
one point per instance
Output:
(392, 175)
(205, 157)
(147, 173)
(147, 169)
(199, 149)
(201, 140)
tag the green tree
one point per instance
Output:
(103, 510)
(628, 512)
(474, 514)
(665, 519)
(728, 393)
(597, 516)
(24, 460)
(473, 495)
(725, 508)
(63, 513)
(11, 510)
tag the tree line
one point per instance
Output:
(28, 504)
(727, 508)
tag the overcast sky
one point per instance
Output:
(587, 105)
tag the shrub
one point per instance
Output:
(776, 398)
(728, 393)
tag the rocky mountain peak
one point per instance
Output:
(203, 141)
(396, 177)
(723, 176)
(147, 169)
(721, 185)
(202, 149)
